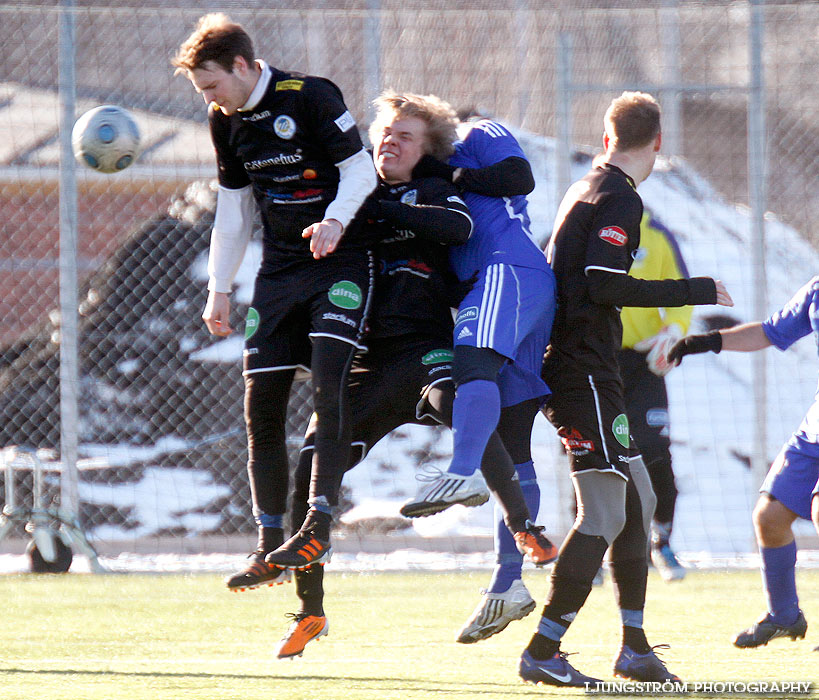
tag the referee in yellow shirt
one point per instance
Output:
(648, 334)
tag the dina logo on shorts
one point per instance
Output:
(436, 356)
(620, 429)
(251, 323)
(345, 295)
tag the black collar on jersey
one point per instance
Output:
(608, 167)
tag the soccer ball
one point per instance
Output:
(106, 139)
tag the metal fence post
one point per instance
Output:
(563, 116)
(69, 365)
(670, 97)
(372, 56)
(757, 194)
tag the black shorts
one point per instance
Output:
(593, 426)
(327, 297)
(389, 383)
(647, 406)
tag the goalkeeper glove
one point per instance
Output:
(432, 167)
(694, 344)
(657, 347)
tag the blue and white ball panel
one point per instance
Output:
(793, 478)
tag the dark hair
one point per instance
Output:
(216, 38)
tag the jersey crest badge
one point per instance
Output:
(614, 235)
(409, 197)
(284, 127)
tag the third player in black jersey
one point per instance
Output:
(594, 237)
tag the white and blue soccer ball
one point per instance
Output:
(106, 139)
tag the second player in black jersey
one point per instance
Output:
(405, 376)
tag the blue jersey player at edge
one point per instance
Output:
(791, 488)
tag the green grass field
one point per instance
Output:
(391, 636)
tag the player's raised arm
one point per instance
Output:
(748, 337)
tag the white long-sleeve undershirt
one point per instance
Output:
(232, 227)
(357, 178)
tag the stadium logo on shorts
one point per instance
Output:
(345, 295)
(251, 323)
(436, 356)
(614, 235)
(284, 127)
(620, 429)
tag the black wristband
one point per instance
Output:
(695, 344)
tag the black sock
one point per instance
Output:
(318, 522)
(635, 638)
(629, 579)
(310, 589)
(542, 648)
(578, 562)
(270, 538)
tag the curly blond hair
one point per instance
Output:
(439, 116)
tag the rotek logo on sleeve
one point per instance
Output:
(614, 235)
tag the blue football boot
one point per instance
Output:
(765, 630)
(642, 667)
(553, 671)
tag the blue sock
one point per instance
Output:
(321, 504)
(475, 416)
(779, 578)
(265, 520)
(631, 618)
(550, 629)
(509, 559)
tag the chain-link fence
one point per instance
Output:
(161, 436)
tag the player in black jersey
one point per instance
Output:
(286, 144)
(595, 235)
(405, 377)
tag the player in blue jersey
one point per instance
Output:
(501, 332)
(791, 488)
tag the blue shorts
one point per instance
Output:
(793, 478)
(511, 309)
